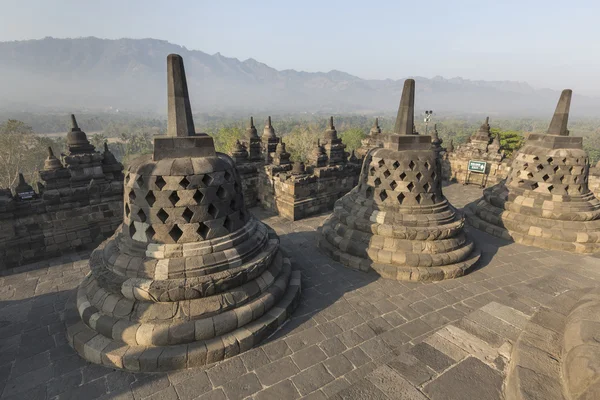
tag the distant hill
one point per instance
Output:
(129, 74)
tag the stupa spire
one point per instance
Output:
(558, 125)
(74, 126)
(180, 121)
(406, 110)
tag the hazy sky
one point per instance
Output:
(550, 43)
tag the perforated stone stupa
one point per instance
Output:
(190, 277)
(397, 221)
(545, 201)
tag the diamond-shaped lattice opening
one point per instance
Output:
(377, 181)
(233, 204)
(402, 176)
(175, 233)
(222, 193)
(150, 199)
(184, 183)
(555, 169)
(227, 176)
(162, 215)
(411, 165)
(521, 182)
(571, 170)
(539, 167)
(132, 196)
(550, 188)
(426, 187)
(203, 230)
(387, 173)
(567, 189)
(545, 177)
(207, 179)
(536, 158)
(396, 165)
(372, 171)
(228, 224)
(212, 211)
(525, 165)
(562, 178)
(369, 192)
(127, 210)
(427, 165)
(419, 176)
(140, 181)
(132, 229)
(433, 197)
(127, 178)
(141, 215)
(242, 216)
(160, 182)
(150, 233)
(393, 185)
(534, 186)
(433, 175)
(550, 160)
(174, 198)
(564, 160)
(383, 195)
(198, 196)
(576, 179)
(381, 163)
(400, 197)
(418, 198)
(410, 186)
(529, 175)
(187, 214)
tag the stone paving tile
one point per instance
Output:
(348, 325)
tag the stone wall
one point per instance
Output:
(454, 168)
(58, 222)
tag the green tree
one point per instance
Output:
(226, 137)
(352, 137)
(510, 141)
(98, 140)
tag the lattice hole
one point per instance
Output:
(229, 224)
(550, 160)
(387, 173)
(184, 183)
(236, 187)
(550, 188)
(140, 181)
(187, 215)
(372, 171)
(393, 185)
(150, 199)
(132, 230)
(141, 215)
(207, 179)
(203, 230)
(212, 211)
(383, 195)
(127, 178)
(160, 182)
(426, 187)
(369, 192)
(410, 186)
(400, 197)
(174, 198)
(427, 165)
(150, 233)
(545, 177)
(381, 163)
(534, 186)
(377, 181)
(221, 193)
(536, 158)
(562, 178)
(396, 165)
(402, 175)
(411, 165)
(198, 196)
(539, 167)
(162, 215)
(433, 197)
(127, 210)
(227, 176)
(418, 198)
(555, 169)
(418, 176)
(132, 196)
(175, 233)
(233, 204)
(529, 175)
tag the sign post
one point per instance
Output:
(478, 167)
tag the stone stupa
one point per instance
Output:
(190, 277)
(545, 201)
(397, 220)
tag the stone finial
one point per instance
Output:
(558, 125)
(375, 129)
(451, 146)
(280, 149)
(269, 131)
(23, 190)
(251, 132)
(435, 132)
(180, 122)
(406, 110)
(74, 126)
(105, 146)
(330, 133)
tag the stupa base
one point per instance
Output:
(99, 349)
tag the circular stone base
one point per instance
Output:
(99, 349)
(397, 272)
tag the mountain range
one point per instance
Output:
(130, 74)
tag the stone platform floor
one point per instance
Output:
(354, 335)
